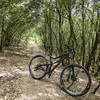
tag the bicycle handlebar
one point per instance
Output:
(70, 49)
(66, 45)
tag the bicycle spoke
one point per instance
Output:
(38, 67)
(75, 82)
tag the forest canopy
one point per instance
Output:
(57, 22)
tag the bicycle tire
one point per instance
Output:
(88, 85)
(30, 67)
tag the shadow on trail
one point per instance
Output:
(23, 86)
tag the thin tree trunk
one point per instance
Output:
(83, 36)
(97, 41)
(60, 35)
(72, 33)
(2, 33)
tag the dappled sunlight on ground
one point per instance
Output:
(17, 84)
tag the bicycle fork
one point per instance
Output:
(49, 68)
(73, 77)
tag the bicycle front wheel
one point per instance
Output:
(38, 67)
(75, 80)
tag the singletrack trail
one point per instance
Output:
(17, 84)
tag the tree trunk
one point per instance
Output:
(83, 37)
(2, 33)
(60, 35)
(72, 33)
(97, 41)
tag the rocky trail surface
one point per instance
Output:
(17, 84)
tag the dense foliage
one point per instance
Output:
(56, 22)
(16, 17)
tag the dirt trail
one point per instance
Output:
(14, 74)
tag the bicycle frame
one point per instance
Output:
(61, 59)
(69, 74)
(57, 62)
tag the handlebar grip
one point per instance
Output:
(68, 46)
(70, 49)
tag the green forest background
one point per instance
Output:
(57, 22)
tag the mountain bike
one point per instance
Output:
(75, 79)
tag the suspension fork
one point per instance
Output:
(49, 67)
(50, 57)
(73, 77)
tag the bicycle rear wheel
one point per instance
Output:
(77, 84)
(38, 67)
